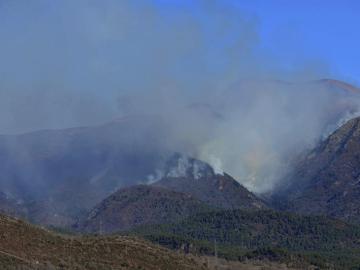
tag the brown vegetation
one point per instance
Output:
(23, 246)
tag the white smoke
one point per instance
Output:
(180, 170)
(202, 72)
(348, 114)
(214, 161)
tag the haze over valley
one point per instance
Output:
(179, 135)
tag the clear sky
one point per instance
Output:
(326, 31)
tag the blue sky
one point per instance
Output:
(326, 32)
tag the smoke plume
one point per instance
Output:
(198, 67)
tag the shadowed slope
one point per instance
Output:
(327, 181)
(139, 205)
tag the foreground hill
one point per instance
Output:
(264, 235)
(139, 205)
(327, 181)
(198, 179)
(23, 246)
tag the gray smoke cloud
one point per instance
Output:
(201, 70)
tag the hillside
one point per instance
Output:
(198, 179)
(59, 174)
(23, 245)
(188, 186)
(139, 205)
(265, 235)
(326, 181)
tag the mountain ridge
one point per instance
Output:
(139, 205)
(326, 181)
(198, 179)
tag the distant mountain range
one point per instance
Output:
(340, 85)
(59, 174)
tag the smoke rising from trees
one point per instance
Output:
(201, 70)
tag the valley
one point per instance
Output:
(192, 215)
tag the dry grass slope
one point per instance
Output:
(23, 246)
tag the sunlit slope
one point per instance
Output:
(22, 244)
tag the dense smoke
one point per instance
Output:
(201, 70)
